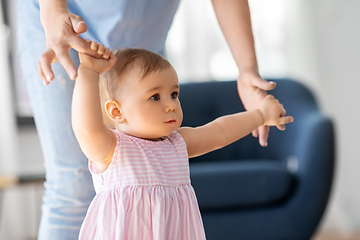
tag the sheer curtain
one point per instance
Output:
(198, 50)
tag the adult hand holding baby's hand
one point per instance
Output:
(98, 65)
(252, 90)
(62, 31)
(273, 112)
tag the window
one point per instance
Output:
(198, 50)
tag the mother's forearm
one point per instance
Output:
(235, 22)
(49, 7)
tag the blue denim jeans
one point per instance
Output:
(69, 188)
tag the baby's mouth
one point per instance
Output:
(171, 121)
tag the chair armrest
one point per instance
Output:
(315, 151)
(315, 145)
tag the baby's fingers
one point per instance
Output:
(101, 49)
(94, 46)
(107, 53)
(281, 127)
(112, 58)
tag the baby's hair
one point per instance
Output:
(126, 60)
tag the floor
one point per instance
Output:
(337, 236)
(20, 205)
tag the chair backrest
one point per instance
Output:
(204, 101)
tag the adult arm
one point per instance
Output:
(235, 22)
(62, 31)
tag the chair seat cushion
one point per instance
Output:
(240, 184)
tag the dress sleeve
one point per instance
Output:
(179, 143)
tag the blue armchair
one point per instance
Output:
(249, 192)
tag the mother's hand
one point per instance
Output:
(252, 90)
(62, 31)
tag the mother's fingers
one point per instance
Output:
(262, 84)
(44, 66)
(285, 120)
(255, 133)
(263, 135)
(79, 26)
(64, 58)
(42, 75)
(84, 46)
(281, 127)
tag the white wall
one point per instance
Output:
(8, 128)
(324, 50)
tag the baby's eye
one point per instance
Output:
(155, 97)
(174, 95)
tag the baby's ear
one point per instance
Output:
(113, 110)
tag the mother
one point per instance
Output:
(48, 35)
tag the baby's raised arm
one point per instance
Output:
(230, 128)
(96, 140)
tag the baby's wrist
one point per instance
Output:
(261, 116)
(87, 70)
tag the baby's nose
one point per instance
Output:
(170, 105)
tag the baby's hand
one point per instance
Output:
(273, 112)
(98, 65)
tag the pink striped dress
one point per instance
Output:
(145, 194)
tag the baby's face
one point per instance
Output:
(151, 106)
